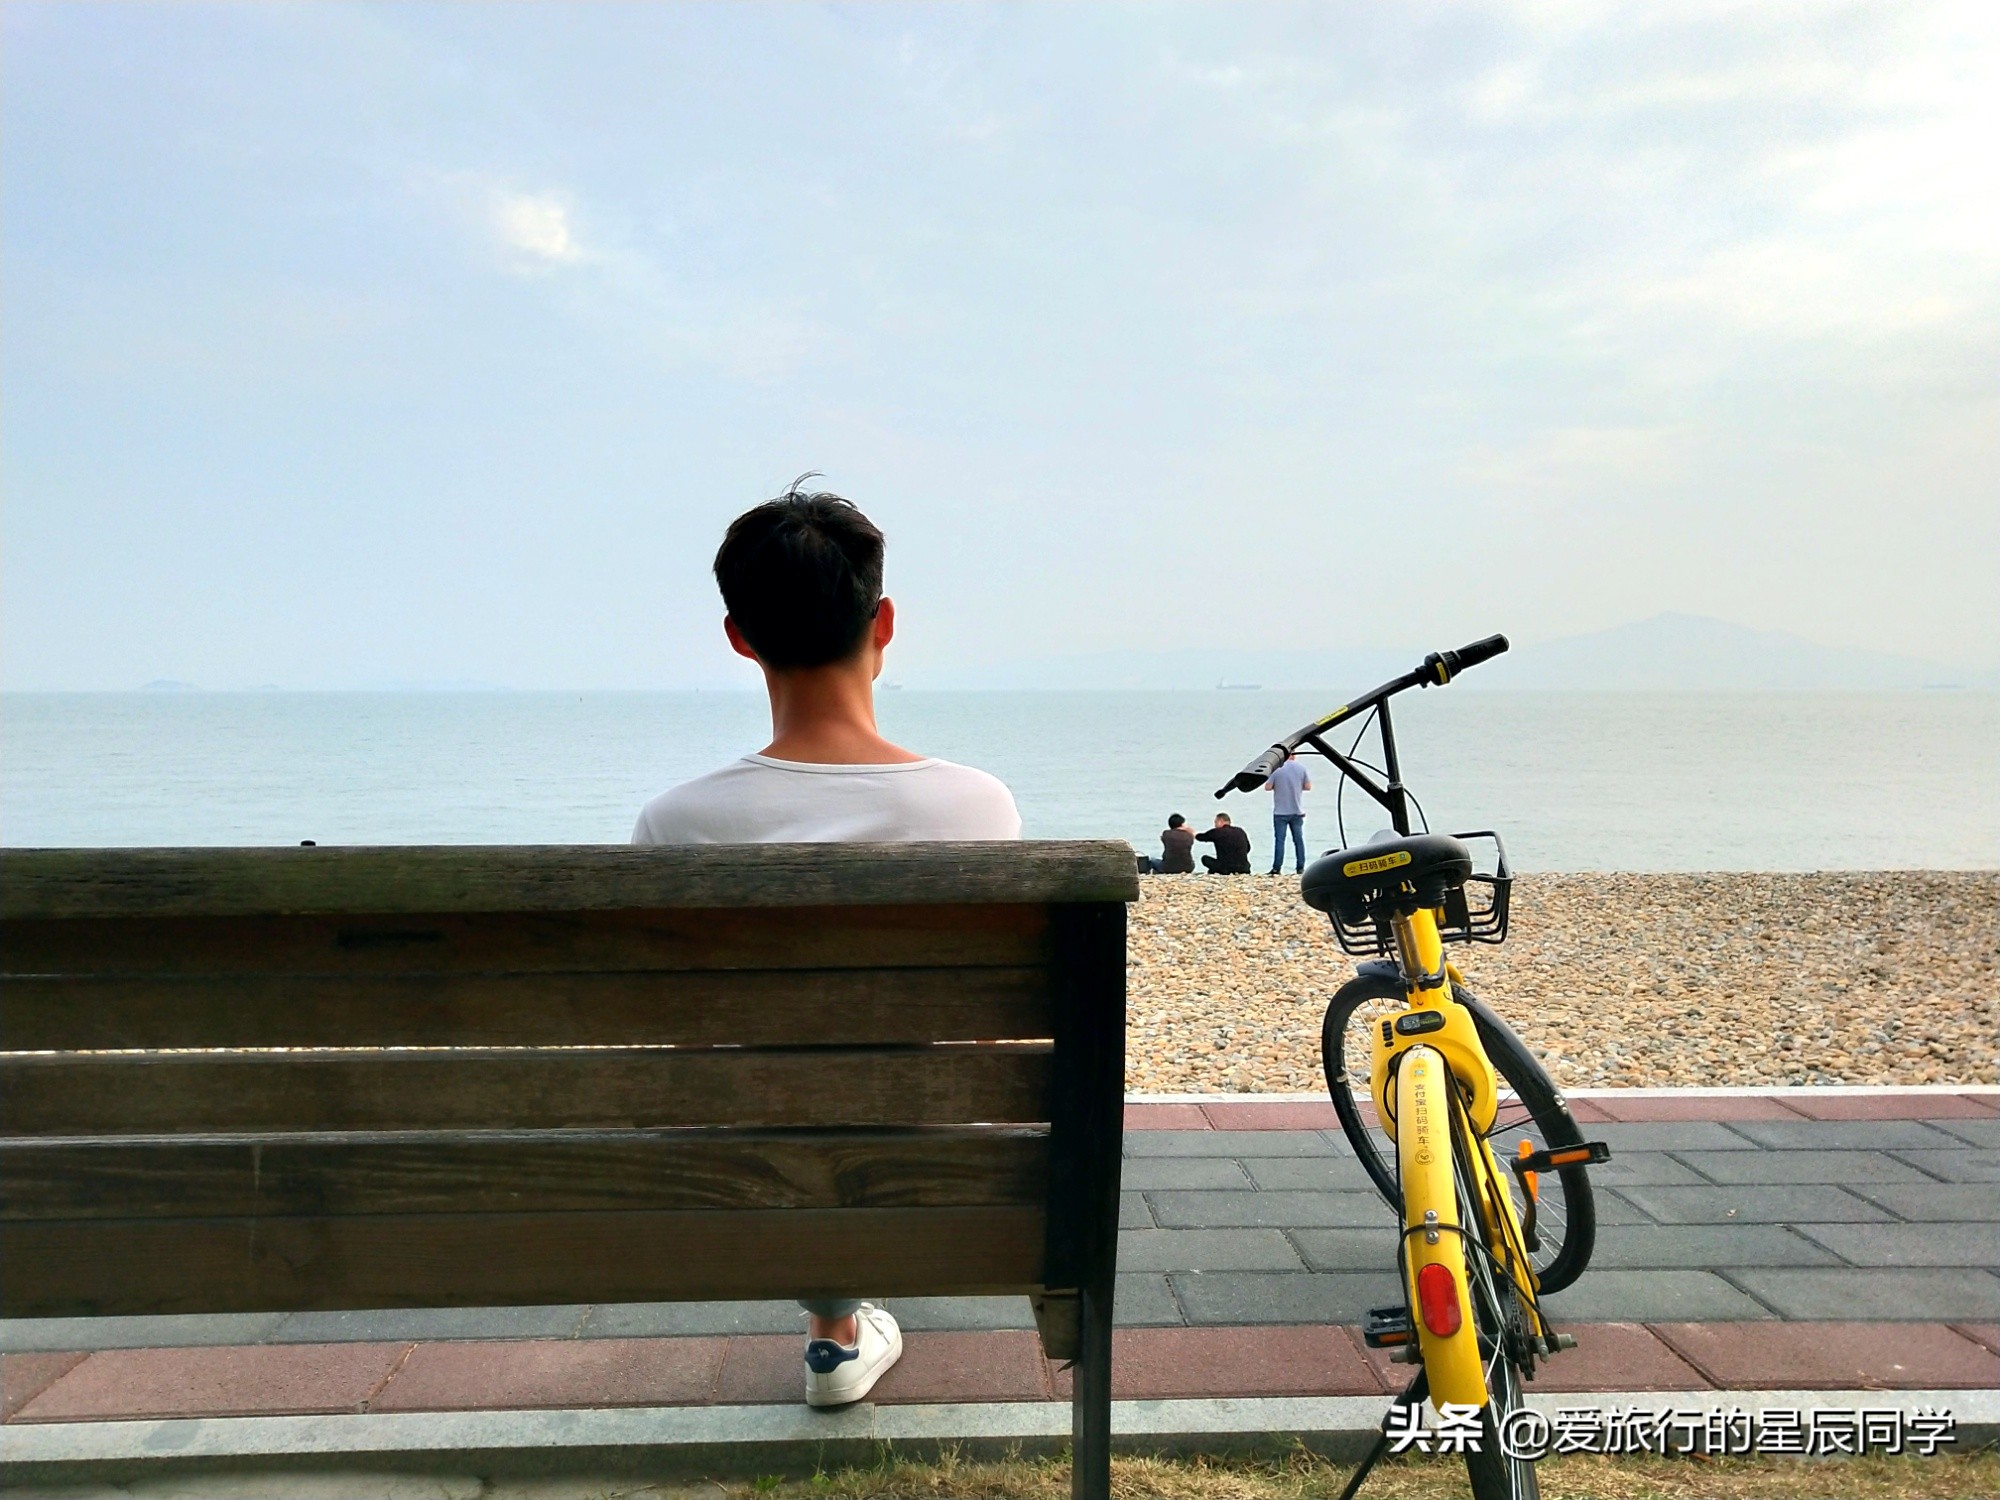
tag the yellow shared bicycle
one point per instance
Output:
(1455, 1121)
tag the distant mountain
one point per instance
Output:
(1675, 652)
(1668, 653)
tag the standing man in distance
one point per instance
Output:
(801, 579)
(1288, 784)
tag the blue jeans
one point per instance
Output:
(1279, 823)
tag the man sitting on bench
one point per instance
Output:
(801, 579)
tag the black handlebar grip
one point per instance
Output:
(1256, 773)
(1479, 651)
(1441, 666)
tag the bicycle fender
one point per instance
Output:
(1432, 1233)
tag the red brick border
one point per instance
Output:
(1150, 1363)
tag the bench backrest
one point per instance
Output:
(241, 1080)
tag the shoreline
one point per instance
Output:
(1619, 980)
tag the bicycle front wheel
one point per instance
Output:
(1531, 1109)
(1503, 1339)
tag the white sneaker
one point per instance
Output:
(837, 1374)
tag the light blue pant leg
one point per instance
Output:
(831, 1307)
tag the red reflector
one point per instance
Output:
(1437, 1299)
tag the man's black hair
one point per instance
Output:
(1223, 818)
(1175, 821)
(801, 576)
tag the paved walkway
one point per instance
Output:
(1745, 1242)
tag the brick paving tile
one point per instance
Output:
(1803, 1166)
(1165, 1364)
(1845, 1135)
(1588, 1112)
(25, 1376)
(1006, 1366)
(624, 1320)
(1133, 1212)
(1300, 1115)
(1697, 1107)
(1229, 1143)
(257, 1380)
(1654, 1296)
(1614, 1210)
(1832, 1356)
(497, 1374)
(1165, 1117)
(1703, 1246)
(1973, 1132)
(62, 1335)
(1956, 1166)
(416, 1325)
(1188, 1173)
(1906, 1244)
(1986, 1335)
(1616, 1357)
(1143, 1299)
(1348, 1249)
(1645, 1167)
(1269, 1210)
(761, 1370)
(1207, 1250)
(1315, 1174)
(1867, 1293)
(1890, 1106)
(941, 1313)
(1221, 1298)
(1757, 1203)
(1678, 1136)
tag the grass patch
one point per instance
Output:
(1305, 1477)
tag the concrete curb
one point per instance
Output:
(792, 1439)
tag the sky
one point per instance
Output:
(349, 344)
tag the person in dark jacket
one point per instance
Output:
(1232, 848)
(1177, 847)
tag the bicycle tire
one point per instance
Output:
(1492, 1473)
(1540, 1105)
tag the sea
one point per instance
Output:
(1573, 781)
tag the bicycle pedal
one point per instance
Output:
(1552, 1159)
(1388, 1328)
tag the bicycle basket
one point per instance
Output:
(1365, 930)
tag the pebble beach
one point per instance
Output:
(1615, 980)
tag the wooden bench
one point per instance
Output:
(244, 1080)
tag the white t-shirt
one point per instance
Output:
(762, 800)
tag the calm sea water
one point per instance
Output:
(1574, 781)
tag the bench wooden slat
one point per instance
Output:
(773, 1007)
(365, 943)
(241, 882)
(191, 1093)
(486, 1172)
(133, 1266)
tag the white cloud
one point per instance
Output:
(535, 229)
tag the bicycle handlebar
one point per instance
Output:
(1438, 668)
(1445, 665)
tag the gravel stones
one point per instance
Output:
(1615, 980)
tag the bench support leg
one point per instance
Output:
(1090, 1405)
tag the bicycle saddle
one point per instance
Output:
(1411, 871)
